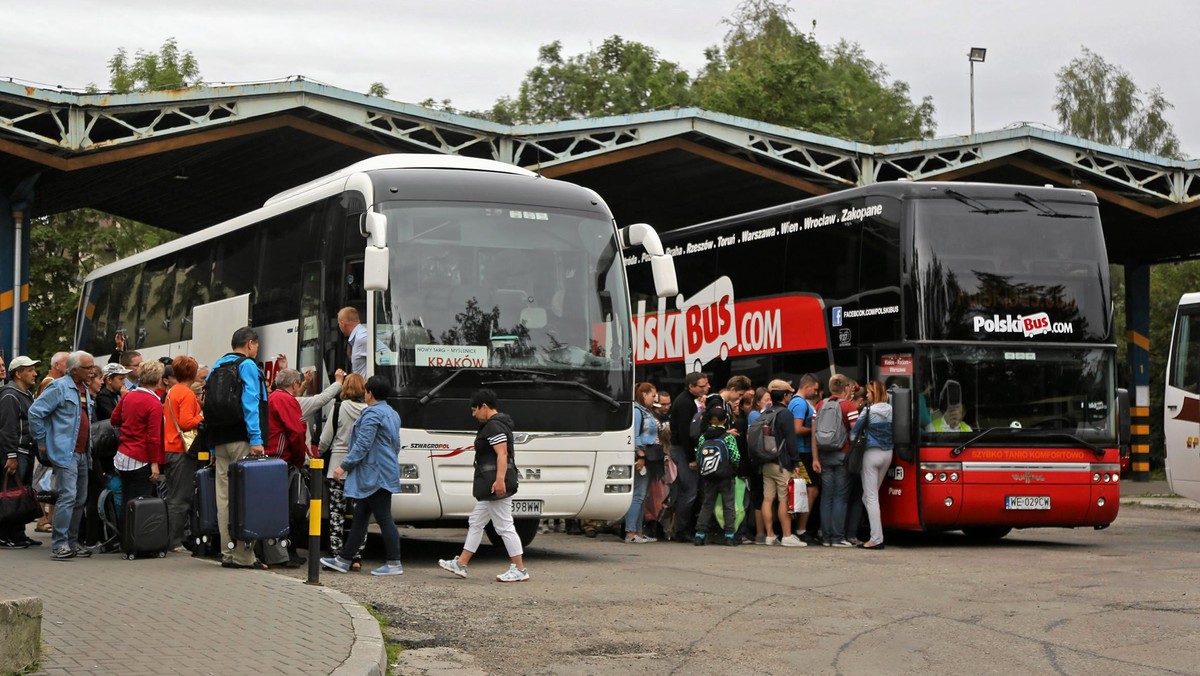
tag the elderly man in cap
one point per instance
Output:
(110, 393)
(60, 420)
(16, 442)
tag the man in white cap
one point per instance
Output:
(110, 393)
(16, 443)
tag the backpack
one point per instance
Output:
(698, 426)
(829, 428)
(760, 438)
(714, 461)
(223, 395)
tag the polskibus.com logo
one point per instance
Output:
(1030, 325)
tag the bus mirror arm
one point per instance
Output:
(662, 265)
(1124, 428)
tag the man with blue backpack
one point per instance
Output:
(716, 457)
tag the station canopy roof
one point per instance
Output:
(186, 159)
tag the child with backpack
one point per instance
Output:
(716, 457)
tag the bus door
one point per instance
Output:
(308, 353)
(898, 496)
(351, 293)
(1181, 414)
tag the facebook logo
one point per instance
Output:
(837, 315)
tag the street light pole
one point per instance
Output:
(976, 54)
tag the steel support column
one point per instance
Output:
(1137, 336)
(13, 301)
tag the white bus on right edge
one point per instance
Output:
(1181, 411)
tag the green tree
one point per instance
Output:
(377, 89)
(1099, 101)
(768, 70)
(149, 71)
(616, 78)
(64, 249)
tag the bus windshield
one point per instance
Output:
(967, 389)
(511, 292)
(984, 266)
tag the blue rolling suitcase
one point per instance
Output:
(204, 506)
(145, 531)
(258, 499)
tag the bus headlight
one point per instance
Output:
(949, 502)
(617, 488)
(410, 489)
(941, 476)
(409, 472)
(1100, 502)
(929, 476)
(619, 472)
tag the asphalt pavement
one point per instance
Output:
(184, 615)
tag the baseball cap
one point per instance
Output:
(114, 369)
(21, 362)
(780, 385)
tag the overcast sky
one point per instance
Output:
(473, 52)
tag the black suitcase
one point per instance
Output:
(258, 499)
(145, 531)
(204, 506)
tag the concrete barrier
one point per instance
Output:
(20, 633)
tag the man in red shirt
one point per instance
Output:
(285, 439)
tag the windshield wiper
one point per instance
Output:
(454, 374)
(1044, 208)
(1099, 452)
(977, 206)
(612, 403)
(962, 447)
(1096, 450)
(438, 388)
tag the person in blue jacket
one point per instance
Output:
(372, 474)
(60, 420)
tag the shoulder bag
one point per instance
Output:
(859, 447)
(18, 504)
(188, 438)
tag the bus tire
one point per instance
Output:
(986, 533)
(526, 530)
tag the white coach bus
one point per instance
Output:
(1181, 409)
(468, 273)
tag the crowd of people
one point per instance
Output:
(741, 466)
(94, 438)
(701, 448)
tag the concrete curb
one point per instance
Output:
(1161, 503)
(20, 633)
(368, 654)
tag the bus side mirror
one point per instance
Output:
(1124, 430)
(902, 417)
(373, 226)
(662, 266)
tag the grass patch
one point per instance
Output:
(1159, 474)
(393, 648)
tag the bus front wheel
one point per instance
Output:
(986, 533)
(527, 529)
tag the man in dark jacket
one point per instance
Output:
(683, 452)
(16, 442)
(114, 382)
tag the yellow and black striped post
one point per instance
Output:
(316, 494)
(1137, 341)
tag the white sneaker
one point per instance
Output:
(793, 541)
(843, 543)
(453, 566)
(513, 574)
(770, 541)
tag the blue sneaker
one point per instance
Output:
(389, 568)
(336, 563)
